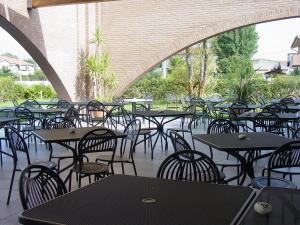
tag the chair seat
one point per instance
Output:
(48, 164)
(97, 119)
(225, 162)
(107, 158)
(287, 170)
(145, 132)
(261, 182)
(92, 168)
(31, 128)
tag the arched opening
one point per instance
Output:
(272, 63)
(37, 56)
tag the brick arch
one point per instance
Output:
(34, 52)
(210, 30)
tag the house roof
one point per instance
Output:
(296, 42)
(13, 60)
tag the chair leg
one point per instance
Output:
(122, 164)
(134, 168)
(1, 153)
(11, 184)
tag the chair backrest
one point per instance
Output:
(39, 184)
(31, 103)
(132, 131)
(118, 116)
(16, 143)
(141, 107)
(179, 143)
(287, 155)
(15, 102)
(275, 108)
(59, 123)
(98, 140)
(268, 122)
(63, 104)
(189, 165)
(220, 126)
(197, 101)
(236, 109)
(296, 134)
(94, 107)
(25, 115)
(6, 113)
(72, 114)
(287, 100)
(118, 100)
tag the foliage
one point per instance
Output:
(6, 84)
(240, 42)
(6, 72)
(9, 89)
(99, 68)
(10, 55)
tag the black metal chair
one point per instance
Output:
(268, 122)
(288, 100)
(178, 142)
(63, 104)
(275, 108)
(234, 111)
(5, 113)
(221, 126)
(15, 102)
(145, 131)
(283, 160)
(132, 131)
(59, 123)
(188, 129)
(39, 184)
(28, 123)
(189, 165)
(95, 141)
(18, 144)
(74, 115)
(31, 103)
(96, 113)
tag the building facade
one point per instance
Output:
(17, 66)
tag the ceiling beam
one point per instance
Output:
(43, 3)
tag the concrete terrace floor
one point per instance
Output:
(145, 167)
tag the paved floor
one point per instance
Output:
(145, 167)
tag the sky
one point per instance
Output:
(275, 39)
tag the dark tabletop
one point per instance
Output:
(47, 111)
(226, 106)
(65, 134)
(282, 116)
(253, 141)
(117, 200)
(296, 101)
(285, 208)
(39, 110)
(82, 103)
(6, 120)
(164, 113)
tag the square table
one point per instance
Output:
(285, 208)
(66, 136)
(230, 142)
(286, 117)
(227, 106)
(129, 200)
(154, 115)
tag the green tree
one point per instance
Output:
(10, 55)
(240, 42)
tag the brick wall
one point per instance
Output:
(138, 33)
